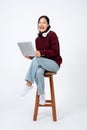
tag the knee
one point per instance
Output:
(34, 61)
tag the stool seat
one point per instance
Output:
(48, 73)
(49, 103)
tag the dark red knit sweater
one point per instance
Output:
(49, 47)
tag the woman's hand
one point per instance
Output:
(37, 54)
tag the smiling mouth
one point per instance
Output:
(41, 28)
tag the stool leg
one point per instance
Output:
(36, 107)
(53, 98)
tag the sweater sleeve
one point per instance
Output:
(54, 47)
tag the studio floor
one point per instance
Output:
(18, 115)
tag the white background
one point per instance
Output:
(18, 22)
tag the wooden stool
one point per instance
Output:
(49, 103)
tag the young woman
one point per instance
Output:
(47, 58)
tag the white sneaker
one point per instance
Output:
(42, 100)
(26, 90)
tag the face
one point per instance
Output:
(42, 25)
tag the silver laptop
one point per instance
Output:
(26, 48)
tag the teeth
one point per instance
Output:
(41, 28)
